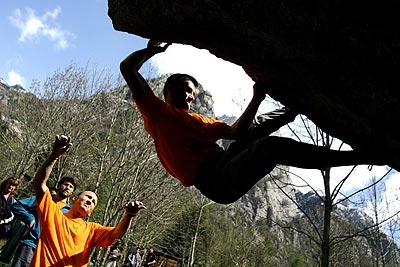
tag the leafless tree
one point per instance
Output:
(325, 226)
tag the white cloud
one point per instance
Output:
(386, 203)
(359, 177)
(33, 28)
(14, 78)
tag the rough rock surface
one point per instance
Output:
(337, 62)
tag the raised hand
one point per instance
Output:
(157, 46)
(260, 89)
(133, 207)
(61, 145)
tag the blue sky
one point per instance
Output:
(40, 37)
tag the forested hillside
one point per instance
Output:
(113, 156)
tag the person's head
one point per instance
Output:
(83, 204)
(118, 244)
(180, 90)
(66, 186)
(137, 250)
(151, 249)
(10, 185)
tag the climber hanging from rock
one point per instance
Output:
(186, 142)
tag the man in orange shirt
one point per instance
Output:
(67, 239)
(186, 142)
(25, 211)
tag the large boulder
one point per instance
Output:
(337, 62)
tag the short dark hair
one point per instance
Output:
(176, 79)
(11, 180)
(68, 179)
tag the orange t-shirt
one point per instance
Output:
(64, 241)
(183, 140)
